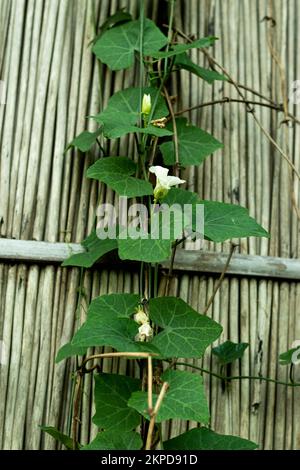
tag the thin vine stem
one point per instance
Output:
(141, 45)
(153, 415)
(170, 272)
(129, 355)
(226, 99)
(141, 283)
(76, 409)
(74, 412)
(175, 135)
(252, 111)
(155, 293)
(220, 280)
(213, 63)
(170, 32)
(70, 410)
(150, 384)
(237, 377)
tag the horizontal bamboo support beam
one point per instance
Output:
(34, 251)
(242, 265)
(185, 260)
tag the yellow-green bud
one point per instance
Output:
(160, 192)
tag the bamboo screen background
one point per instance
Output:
(53, 82)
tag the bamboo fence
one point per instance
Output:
(52, 83)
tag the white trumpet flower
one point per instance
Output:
(146, 104)
(163, 181)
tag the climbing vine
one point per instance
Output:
(155, 331)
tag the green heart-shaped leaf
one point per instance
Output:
(112, 392)
(185, 333)
(205, 439)
(185, 398)
(117, 46)
(180, 48)
(116, 173)
(183, 61)
(229, 352)
(108, 324)
(95, 249)
(115, 440)
(194, 145)
(123, 112)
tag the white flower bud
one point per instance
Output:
(145, 332)
(146, 104)
(141, 317)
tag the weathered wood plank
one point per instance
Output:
(246, 265)
(186, 260)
